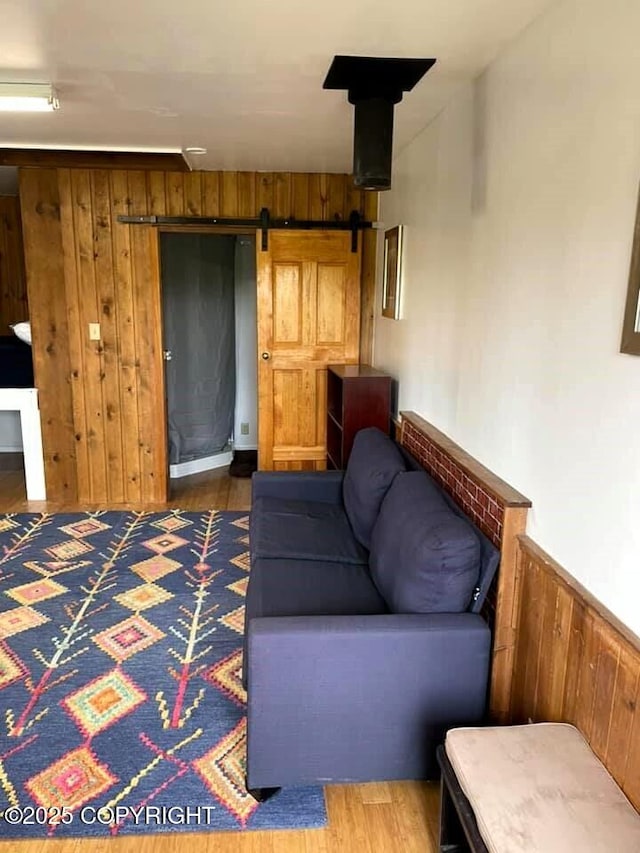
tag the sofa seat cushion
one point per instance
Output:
(373, 464)
(424, 557)
(302, 530)
(311, 588)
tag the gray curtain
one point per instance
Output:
(199, 330)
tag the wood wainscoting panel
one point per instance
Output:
(576, 663)
(80, 204)
(102, 402)
(107, 314)
(46, 264)
(147, 313)
(13, 281)
(124, 320)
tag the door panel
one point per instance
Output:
(308, 317)
(287, 304)
(332, 291)
(287, 391)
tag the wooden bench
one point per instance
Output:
(530, 789)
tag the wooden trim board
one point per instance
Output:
(63, 159)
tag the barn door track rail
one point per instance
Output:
(264, 222)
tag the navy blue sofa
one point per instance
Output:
(363, 636)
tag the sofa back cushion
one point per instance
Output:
(374, 462)
(424, 557)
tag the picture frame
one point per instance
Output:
(630, 341)
(392, 272)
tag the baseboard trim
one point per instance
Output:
(197, 466)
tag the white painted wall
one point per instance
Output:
(246, 345)
(519, 202)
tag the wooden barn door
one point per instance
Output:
(308, 317)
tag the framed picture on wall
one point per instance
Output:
(630, 342)
(392, 272)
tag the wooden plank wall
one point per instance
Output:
(576, 663)
(104, 422)
(13, 284)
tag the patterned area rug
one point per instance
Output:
(121, 705)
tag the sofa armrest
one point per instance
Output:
(338, 698)
(321, 486)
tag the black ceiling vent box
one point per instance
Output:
(375, 85)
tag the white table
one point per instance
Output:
(25, 401)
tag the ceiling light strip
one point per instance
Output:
(28, 98)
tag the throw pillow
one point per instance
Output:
(374, 462)
(424, 557)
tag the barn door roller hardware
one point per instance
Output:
(264, 222)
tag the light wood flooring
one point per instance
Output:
(372, 818)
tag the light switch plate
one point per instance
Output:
(94, 331)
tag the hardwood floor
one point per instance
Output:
(212, 489)
(372, 818)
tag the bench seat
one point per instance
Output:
(540, 789)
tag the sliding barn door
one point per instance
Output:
(308, 317)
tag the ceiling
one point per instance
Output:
(243, 80)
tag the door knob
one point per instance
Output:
(167, 354)
(266, 356)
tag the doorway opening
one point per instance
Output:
(209, 298)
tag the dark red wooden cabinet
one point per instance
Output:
(358, 396)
